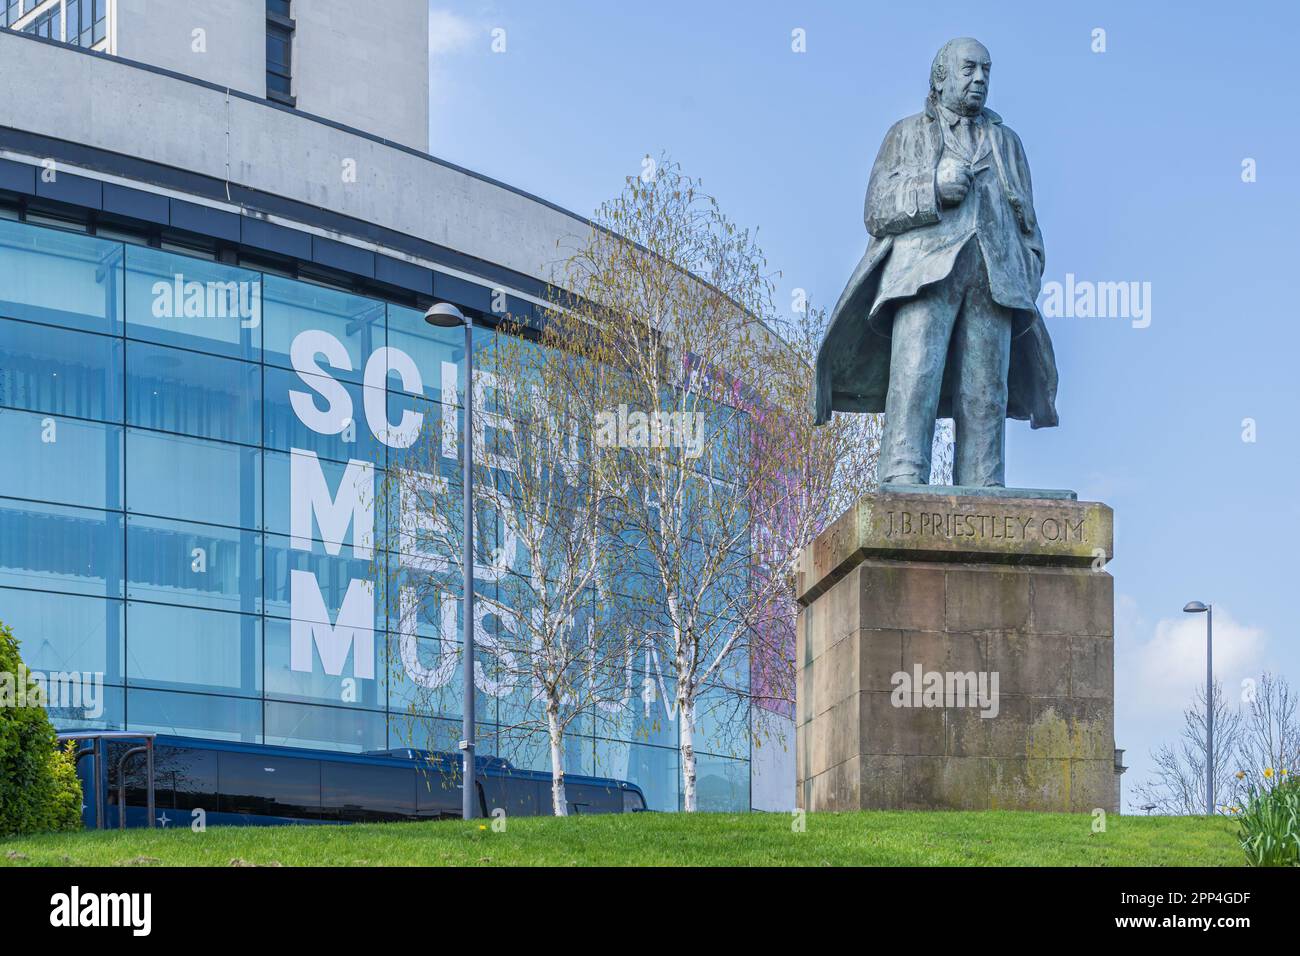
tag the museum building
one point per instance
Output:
(200, 200)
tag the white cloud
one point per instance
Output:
(449, 33)
(1158, 669)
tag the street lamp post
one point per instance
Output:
(1196, 607)
(444, 315)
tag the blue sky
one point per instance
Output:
(1137, 159)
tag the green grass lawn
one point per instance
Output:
(835, 839)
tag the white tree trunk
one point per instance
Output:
(686, 721)
(559, 803)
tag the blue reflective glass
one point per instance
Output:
(345, 689)
(181, 648)
(64, 632)
(532, 751)
(111, 705)
(325, 728)
(194, 565)
(193, 303)
(722, 723)
(59, 278)
(648, 714)
(193, 479)
(334, 427)
(64, 460)
(352, 324)
(60, 371)
(438, 353)
(722, 784)
(193, 394)
(654, 769)
(195, 715)
(427, 678)
(58, 548)
(188, 382)
(325, 581)
(349, 485)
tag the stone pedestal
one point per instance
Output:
(955, 651)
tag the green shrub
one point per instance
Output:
(1270, 821)
(39, 789)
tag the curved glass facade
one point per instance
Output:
(156, 410)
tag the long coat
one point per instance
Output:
(852, 373)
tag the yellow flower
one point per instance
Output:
(1268, 772)
(482, 826)
(1283, 771)
(1241, 774)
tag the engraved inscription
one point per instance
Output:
(980, 526)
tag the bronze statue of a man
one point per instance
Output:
(940, 318)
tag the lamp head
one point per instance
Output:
(1195, 607)
(444, 315)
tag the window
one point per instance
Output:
(364, 793)
(279, 52)
(46, 25)
(77, 22)
(269, 785)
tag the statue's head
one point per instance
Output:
(959, 76)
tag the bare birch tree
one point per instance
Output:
(1177, 785)
(1270, 734)
(541, 498)
(722, 477)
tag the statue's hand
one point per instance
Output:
(953, 179)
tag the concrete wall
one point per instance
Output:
(139, 113)
(365, 65)
(161, 33)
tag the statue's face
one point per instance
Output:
(966, 86)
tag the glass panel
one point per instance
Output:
(270, 785)
(438, 353)
(193, 394)
(437, 689)
(326, 582)
(367, 794)
(533, 752)
(59, 278)
(57, 548)
(338, 426)
(193, 479)
(722, 723)
(43, 369)
(349, 486)
(316, 686)
(111, 710)
(195, 715)
(180, 648)
(194, 565)
(351, 326)
(185, 778)
(63, 460)
(63, 632)
(324, 728)
(192, 303)
(653, 769)
(722, 784)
